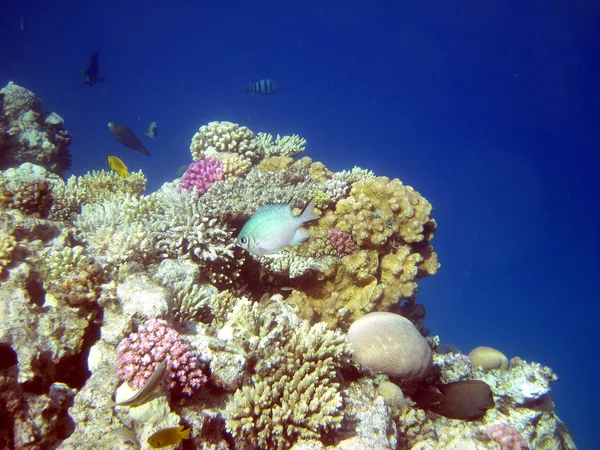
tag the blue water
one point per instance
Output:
(489, 109)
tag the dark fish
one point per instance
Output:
(465, 400)
(125, 136)
(263, 87)
(92, 74)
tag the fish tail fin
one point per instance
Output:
(248, 88)
(301, 236)
(185, 434)
(308, 213)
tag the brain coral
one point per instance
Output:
(488, 358)
(389, 343)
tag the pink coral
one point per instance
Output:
(202, 175)
(508, 437)
(139, 354)
(342, 242)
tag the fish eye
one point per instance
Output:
(244, 240)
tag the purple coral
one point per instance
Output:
(202, 175)
(507, 436)
(139, 354)
(342, 242)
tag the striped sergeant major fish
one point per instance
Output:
(263, 87)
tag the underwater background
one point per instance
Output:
(491, 110)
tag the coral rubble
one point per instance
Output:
(100, 282)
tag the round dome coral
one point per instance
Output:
(389, 343)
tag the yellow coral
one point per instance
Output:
(391, 224)
(275, 163)
(7, 247)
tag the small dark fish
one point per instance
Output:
(465, 400)
(126, 137)
(152, 131)
(92, 73)
(263, 87)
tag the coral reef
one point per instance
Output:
(30, 134)
(101, 282)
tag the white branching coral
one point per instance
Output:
(290, 146)
(116, 230)
(185, 230)
(354, 175)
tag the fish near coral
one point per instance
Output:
(168, 436)
(147, 390)
(262, 87)
(118, 166)
(92, 73)
(126, 137)
(465, 400)
(273, 227)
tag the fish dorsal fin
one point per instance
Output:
(273, 208)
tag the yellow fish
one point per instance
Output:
(168, 436)
(118, 166)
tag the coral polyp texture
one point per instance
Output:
(101, 281)
(140, 353)
(202, 175)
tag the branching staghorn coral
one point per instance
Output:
(295, 393)
(290, 146)
(116, 231)
(94, 187)
(185, 230)
(354, 175)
